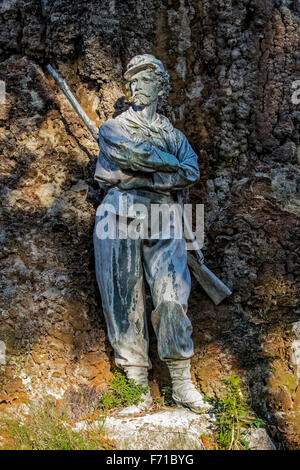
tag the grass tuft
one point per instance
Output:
(48, 428)
(234, 417)
(122, 392)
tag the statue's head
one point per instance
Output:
(146, 79)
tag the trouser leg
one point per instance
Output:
(168, 276)
(119, 274)
(167, 273)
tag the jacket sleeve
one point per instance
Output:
(188, 172)
(120, 149)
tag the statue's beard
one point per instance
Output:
(140, 99)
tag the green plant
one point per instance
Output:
(122, 392)
(233, 417)
(48, 428)
(167, 395)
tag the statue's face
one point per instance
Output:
(144, 88)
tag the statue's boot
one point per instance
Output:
(184, 392)
(140, 375)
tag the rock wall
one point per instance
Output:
(232, 66)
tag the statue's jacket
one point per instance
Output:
(137, 158)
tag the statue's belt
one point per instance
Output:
(120, 201)
(139, 194)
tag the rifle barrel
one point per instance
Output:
(72, 100)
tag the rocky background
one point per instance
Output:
(233, 65)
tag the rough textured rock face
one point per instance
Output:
(232, 66)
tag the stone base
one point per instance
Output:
(172, 429)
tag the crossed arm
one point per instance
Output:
(170, 172)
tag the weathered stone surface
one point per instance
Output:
(232, 66)
(259, 440)
(173, 429)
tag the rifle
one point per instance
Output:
(212, 285)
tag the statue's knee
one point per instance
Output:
(168, 309)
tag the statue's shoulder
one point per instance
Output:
(117, 122)
(167, 126)
(165, 123)
(123, 116)
(109, 125)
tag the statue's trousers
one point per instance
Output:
(122, 266)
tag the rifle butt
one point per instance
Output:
(212, 285)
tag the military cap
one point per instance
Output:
(143, 62)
